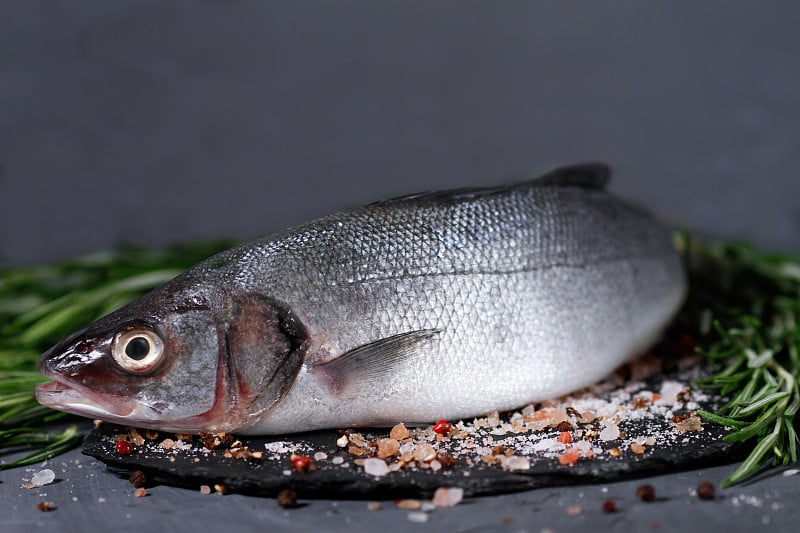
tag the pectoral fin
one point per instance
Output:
(373, 362)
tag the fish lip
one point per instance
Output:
(58, 394)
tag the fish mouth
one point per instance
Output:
(64, 397)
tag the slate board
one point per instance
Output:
(267, 477)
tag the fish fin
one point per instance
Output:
(592, 176)
(465, 193)
(370, 362)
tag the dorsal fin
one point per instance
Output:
(592, 176)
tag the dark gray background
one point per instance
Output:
(157, 121)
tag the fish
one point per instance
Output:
(438, 305)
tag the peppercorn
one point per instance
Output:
(564, 426)
(442, 427)
(302, 463)
(287, 499)
(123, 447)
(45, 506)
(705, 490)
(138, 478)
(646, 493)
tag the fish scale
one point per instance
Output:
(439, 305)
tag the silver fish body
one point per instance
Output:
(439, 305)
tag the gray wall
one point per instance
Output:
(156, 121)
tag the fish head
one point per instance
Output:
(182, 358)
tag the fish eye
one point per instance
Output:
(137, 349)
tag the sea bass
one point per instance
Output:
(436, 305)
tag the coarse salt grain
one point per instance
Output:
(387, 447)
(399, 432)
(409, 504)
(448, 496)
(670, 391)
(424, 452)
(610, 432)
(376, 467)
(276, 447)
(516, 463)
(43, 477)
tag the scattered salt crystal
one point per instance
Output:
(43, 477)
(610, 432)
(358, 440)
(582, 445)
(399, 432)
(791, 472)
(376, 467)
(276, 447)
(547, 445)
(320, 456)
(387, 447)
(406, 447)
(515, 462)
(574, 510)
(101, 500)
(418, 517)
(424, 452)
(337, 460)
(409, 504)
(670, 391)
(448, 496)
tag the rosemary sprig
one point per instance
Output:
(40, 305)
(746, 305)
(50, 444)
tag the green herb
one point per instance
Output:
(41, 305)
(746, 307)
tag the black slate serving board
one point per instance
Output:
(196, 466)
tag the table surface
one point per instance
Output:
(87, 497)
(238, 118)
